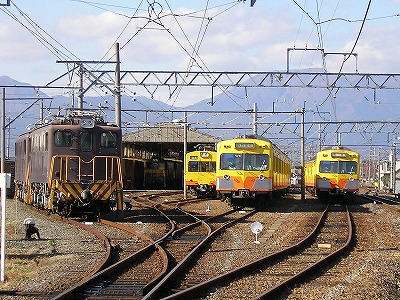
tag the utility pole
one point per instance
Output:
(393, 166)
(185, 138)
(117, 87)
(3, 185)
(80, 96)
(254, 118)
(303, 185)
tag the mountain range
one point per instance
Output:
(228, 114)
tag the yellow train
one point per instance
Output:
(200, 172)
(251, 170)
(333, 172)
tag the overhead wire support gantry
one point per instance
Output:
(257, 79)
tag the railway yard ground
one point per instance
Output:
(369, 270)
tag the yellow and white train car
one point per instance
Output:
(200, 173)
(333, 172)
(251, 170)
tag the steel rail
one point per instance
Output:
(179, 268)
(74, 291)
(304, 274)
(107, 245)
(233, 274)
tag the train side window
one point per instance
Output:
(63, 138)
(85, 141)
(46, 142)
(108, 140)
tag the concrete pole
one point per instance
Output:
(185, 137)
(303, 185)
(254, 118)
(3, 189)
(3, 131)
(393, 169)
(41, 117)
(117, 95)
(80, 96)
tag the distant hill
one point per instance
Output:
(344, 105)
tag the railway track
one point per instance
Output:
(171, 280)
(389, 202)
(371, 270)
(186, 238)
(66, 275)
(129, 277)
(272, 274)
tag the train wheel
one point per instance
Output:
(350, 198)
(261, 202)
(323, 196)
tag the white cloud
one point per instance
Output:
(239, 39)
(18, 44)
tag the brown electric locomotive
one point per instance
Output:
(70, 165)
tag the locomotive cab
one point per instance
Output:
(71, 165)
(251, 170)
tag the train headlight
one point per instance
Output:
(324, 178)
(262, 177)
(351, 179)
(226, 176)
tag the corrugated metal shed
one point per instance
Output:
(168, 133)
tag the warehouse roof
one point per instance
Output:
(168, 133)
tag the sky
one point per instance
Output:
(214, 35)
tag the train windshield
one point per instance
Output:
(201, 166)
(342, 167)
(256, 162)
(85, 141)
(108, 140)
(63, 138)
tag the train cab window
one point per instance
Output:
(348, 167)
(328, 167)
(341, 167)
(108, 140)
(193, 166)
(207, 166)
(63, 138)
(257, 162)
(85, 141)
(213, 166)
(249, 162)
(231, 161)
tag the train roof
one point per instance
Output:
(250, 136)
(337, 148)
(86, 118)
(75, 116)
(329, 149)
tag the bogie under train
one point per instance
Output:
(70, 165)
